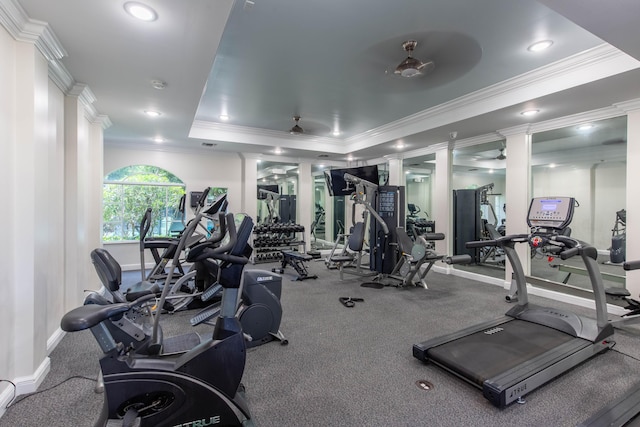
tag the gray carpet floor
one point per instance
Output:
(354, 366)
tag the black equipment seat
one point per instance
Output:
(355, 243)
(88, 316)
(296, 260)
(110, 274)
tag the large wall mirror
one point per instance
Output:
(323, 227)
(419, 181)
(277, 189)
(586, 161)
(479, 204)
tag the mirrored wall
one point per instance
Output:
(586, 161)
(277, 189)
(479, 204)
(419, 190)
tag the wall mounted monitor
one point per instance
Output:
(339, 187)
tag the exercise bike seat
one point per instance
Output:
(88, 316)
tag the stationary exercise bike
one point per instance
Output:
(200, 386)
(259, 310)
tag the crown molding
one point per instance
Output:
(574, 119)
(16, 21)
(628, 106)
(245, 135)
(476, 140)
(515, 130)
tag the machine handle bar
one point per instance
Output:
(499, 241)
(457, 259)
(631, 265)
(569, 253)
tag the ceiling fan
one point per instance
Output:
(296, 129)
(502, 155)
(412, 67)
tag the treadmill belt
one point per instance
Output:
(485, 354)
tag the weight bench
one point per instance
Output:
(295, 260)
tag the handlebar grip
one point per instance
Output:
(569, 253)
(457, 259)
(433, 236)
(631, 265)
(481, 243)
(203, 196)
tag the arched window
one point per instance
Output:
(129, 191)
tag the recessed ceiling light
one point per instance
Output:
(158, 139)
(541, 45)
(585, 126)
(223, 117)
(552, 165)
(152, 113)
(278, 151)
(140, 11)
(349, 157)
(530, 112)
(400, 145)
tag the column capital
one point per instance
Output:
(515, 130)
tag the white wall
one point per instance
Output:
(600, 191)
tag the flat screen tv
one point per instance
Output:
(338, 186)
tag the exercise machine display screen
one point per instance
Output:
(551, 212)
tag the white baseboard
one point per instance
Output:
(532, 290)
(26, 384)
(6, 397)
(54, 340)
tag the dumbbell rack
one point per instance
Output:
(268, 241)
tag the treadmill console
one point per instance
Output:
(551, 212)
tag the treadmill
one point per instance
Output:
(511, 356)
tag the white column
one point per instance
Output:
(442, 206)
(10, 149)
(518, 190)
(633, 201)
(29, 177)
(249, 196)
(304, 201)
(396, 172)
(72, 202)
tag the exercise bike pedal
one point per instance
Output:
(211, 292)
(205, 315)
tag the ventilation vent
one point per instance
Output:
(323, 156)
(208, 144)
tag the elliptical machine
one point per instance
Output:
(197, 386)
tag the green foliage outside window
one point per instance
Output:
(128, 192)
